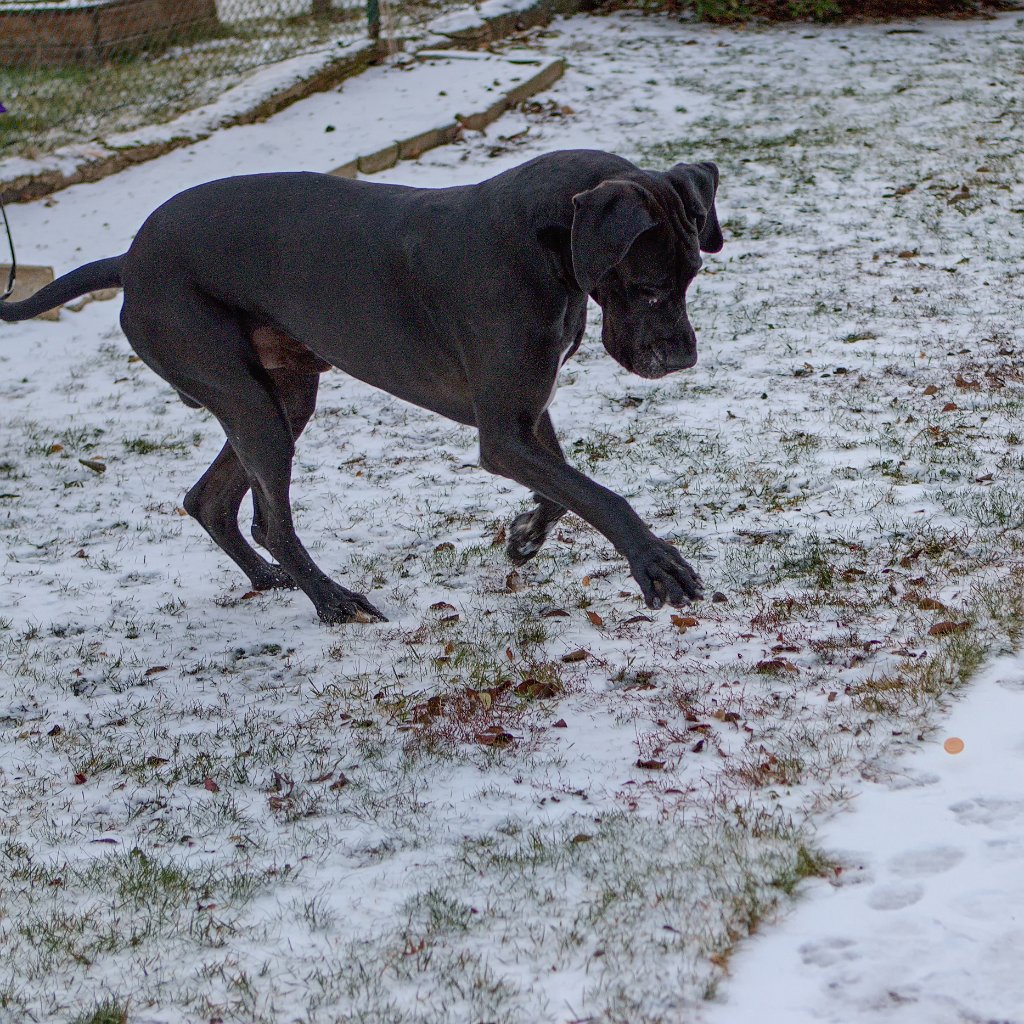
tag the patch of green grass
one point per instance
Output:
(809, 863)
(49, 106)
(989, 621)
(110, 1011)
(146, 445)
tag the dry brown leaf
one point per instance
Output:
(495, 736)
(946, 628)
(773, 665)
(682, 622)
(428, 710)
(577, 655)
(535, 689)
(595, 619)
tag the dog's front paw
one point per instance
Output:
(665, 577)
(346, 606)
(526, 537)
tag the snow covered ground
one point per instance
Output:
(215, 808)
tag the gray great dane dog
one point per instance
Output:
(463, 300)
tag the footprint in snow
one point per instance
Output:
(927, 861)
(828, 952)
(895, 896)
(991, 811)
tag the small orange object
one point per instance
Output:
(954, 745)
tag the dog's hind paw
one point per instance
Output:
(525, 538)
(347, 606)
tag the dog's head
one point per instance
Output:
(636, 243)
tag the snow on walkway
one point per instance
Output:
(928, 926)
(320, 133)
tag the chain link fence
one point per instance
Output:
(77, 70)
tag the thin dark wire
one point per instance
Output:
(14, 259)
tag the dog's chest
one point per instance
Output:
(566, 352)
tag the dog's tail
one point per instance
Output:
(93, 276)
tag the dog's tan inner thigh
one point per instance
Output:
(277, 351)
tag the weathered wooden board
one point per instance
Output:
(30, 280)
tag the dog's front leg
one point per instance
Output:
(515, 451)
(529, 530)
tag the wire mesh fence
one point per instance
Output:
(76, 70)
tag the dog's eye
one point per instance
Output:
(652, 296)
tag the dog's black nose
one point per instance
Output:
(682, 360)
(680, 352)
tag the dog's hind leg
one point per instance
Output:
(529, 530)
(298, 394)
(215, 499)
(214, 502)
(206, 353)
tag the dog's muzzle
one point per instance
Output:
(667, 355)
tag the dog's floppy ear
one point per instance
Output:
(697, 185)
(606, 221)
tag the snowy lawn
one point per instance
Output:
(526, 798)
